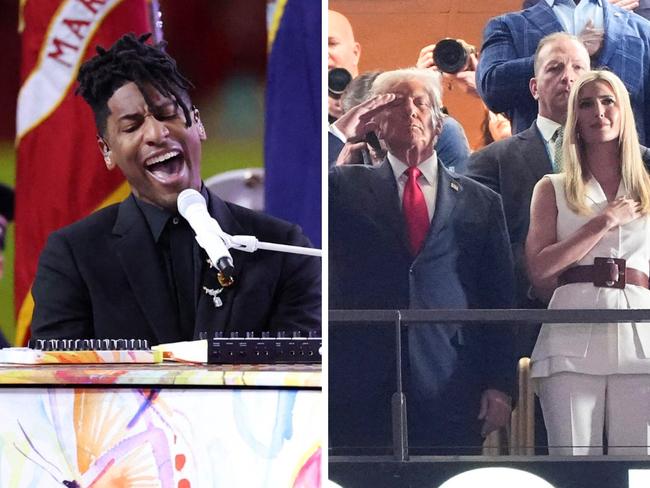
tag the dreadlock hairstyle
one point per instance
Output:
(130, 59)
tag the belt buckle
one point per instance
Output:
(609, 272)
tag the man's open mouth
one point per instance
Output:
(166, 166)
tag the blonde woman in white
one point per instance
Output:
(589, 247)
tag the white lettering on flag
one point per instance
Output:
(68, 34)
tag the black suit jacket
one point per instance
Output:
(102, 277)
(511, 167)
(465, 263)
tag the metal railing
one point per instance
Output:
(474, 317)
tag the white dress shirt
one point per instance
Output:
(427, 181)
(339, 135)
(574, 17)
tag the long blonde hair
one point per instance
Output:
(633, 173)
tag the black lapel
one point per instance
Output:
(385, 203)
(533, 154)
(447, 192)
(138, 257)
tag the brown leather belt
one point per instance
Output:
(605, 272)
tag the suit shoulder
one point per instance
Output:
(506, 147)
(352, 171)
(341, 177)
(96, 223)
(507, 18)
(637, 23)
(497, 151)
(246, 216)
(474, 188)
(491, 151)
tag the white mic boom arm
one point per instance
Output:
(215, 242)
(251, 244)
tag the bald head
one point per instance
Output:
(343, 51)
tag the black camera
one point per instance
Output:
(337, 80)
(452, 55)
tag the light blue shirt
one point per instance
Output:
(574, 17)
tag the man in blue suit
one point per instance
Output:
(411, 234)
(641, 7)
(615, 38)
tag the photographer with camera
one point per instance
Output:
(457, 60)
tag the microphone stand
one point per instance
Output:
(251, 244)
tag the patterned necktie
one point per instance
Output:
(557, 139)
(415, 211)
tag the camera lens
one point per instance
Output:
(337, 80)
(450, 56)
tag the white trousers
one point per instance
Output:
(578, 408)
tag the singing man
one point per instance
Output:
(134, 269)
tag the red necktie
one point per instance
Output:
(415, 211)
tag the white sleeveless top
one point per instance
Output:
(599, 349)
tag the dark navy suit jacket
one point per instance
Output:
(103, 277)
(506, 63)
(511, 167)
(465, 263)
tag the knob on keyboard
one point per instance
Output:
(280, 349)
(89, 344)
(83, 351)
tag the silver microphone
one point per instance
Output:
(191, 205)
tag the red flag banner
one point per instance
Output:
(60, 175)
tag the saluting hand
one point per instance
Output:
(359, 120)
